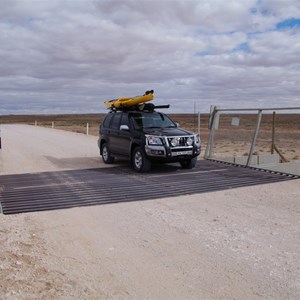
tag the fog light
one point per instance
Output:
(157, 152)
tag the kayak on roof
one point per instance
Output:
(130, 101)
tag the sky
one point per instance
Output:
(69, 56)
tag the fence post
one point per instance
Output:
(52, 124)
(87, 128)
(35, 123)
(254, 137)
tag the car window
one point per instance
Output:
(107, 120)
(125, 120)
(115, 123)
(151, 120)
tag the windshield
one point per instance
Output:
(151, 120)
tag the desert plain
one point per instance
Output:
(229, 140)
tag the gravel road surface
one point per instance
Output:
(27, 149)
(235, 244)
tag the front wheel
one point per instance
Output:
(189, 163)
(139, 160)
(106, 157)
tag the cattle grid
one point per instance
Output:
(75, 188)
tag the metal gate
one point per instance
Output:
(269, 138)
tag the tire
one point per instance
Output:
(106, 156)
(140, 162)
(189, 163)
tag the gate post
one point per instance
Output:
(213, 124)
(273, 133)
(254, 137)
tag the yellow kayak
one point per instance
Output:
(131, 101)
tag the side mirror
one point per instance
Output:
(177, 124)
(124, 128)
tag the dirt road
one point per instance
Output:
(235, 244)
(27, 149)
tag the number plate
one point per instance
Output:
(177, 153)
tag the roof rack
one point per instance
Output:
(140, 107)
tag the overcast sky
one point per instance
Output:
(60, 56)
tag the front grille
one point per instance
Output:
(181, 141)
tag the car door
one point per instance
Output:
(124, 139)
(114, 132)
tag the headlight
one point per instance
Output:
(189, 141)
(154, 140)
(174, 142)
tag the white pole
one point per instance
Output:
(199, 123)
(87, 128)
(52, 124)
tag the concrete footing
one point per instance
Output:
(268, 162)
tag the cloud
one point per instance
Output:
(70, 56)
